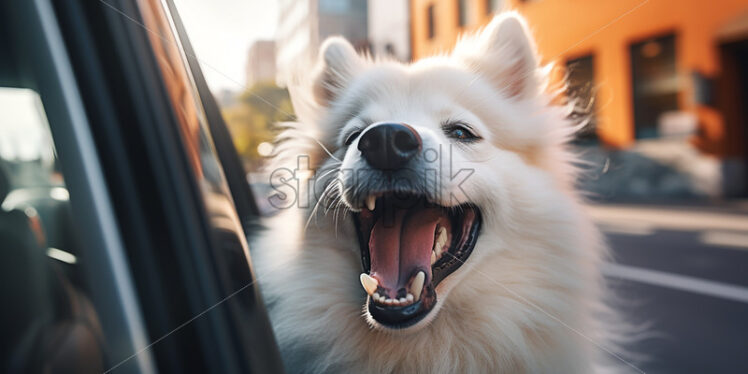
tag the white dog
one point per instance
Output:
(440, 232)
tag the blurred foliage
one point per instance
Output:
(251, 119)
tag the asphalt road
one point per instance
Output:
(681, 275)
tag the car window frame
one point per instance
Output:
(43, 65)
(236, 176)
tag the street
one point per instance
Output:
(681, 276)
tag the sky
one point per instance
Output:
(221, 32)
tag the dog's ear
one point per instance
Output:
(504, 53)
(338, 63)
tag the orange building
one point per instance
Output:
(656, 65)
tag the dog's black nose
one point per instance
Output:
(389, 146)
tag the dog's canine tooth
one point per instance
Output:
(371, 202)
(417, 286)
(370, 283)
(441, 240)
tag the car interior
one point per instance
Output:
(50, 324)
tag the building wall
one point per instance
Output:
(566, 29)
(389, 24)
(260, 62)
(295, 37)
(347, 18)
(446, 20)
(304, 24)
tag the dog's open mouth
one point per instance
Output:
(408, 246)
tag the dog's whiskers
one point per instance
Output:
(329, 189)
(327, 150)
(338, 204)
(333, 199)
(328, 173)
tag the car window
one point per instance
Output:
(196, 138)
(228, 248)
(49, 324)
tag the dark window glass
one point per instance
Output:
(655, 83)
(580, 75)
(462, 12)
(229, 252)
(198, 143)
(430, 21)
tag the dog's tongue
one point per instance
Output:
(402, 244)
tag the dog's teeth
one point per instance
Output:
(441, 240)
(371, 202)
(388, 301)
(409, 297)
(402, 300)
(370, 284)
(375, 296)
(433, 257)
(417, 285)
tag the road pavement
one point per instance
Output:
(680, 273)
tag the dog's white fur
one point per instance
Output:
(529, 297)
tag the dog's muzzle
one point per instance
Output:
(408, 243)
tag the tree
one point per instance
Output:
(251, 121)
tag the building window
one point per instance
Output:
(580, 80)
(655, 83)
(335, 6)
(462, 13)
(430, 21)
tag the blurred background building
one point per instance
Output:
(304, 24)
(663, 83)
(260, 62)
(378, 27)
(666, 80)
(389, 28)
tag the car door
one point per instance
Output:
(152, 196)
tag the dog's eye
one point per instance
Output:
(460, 132)
(352, 136)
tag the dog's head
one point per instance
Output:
(424, 156)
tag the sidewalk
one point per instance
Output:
(732, 214)
(724, 225)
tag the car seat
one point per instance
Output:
(48, 325)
